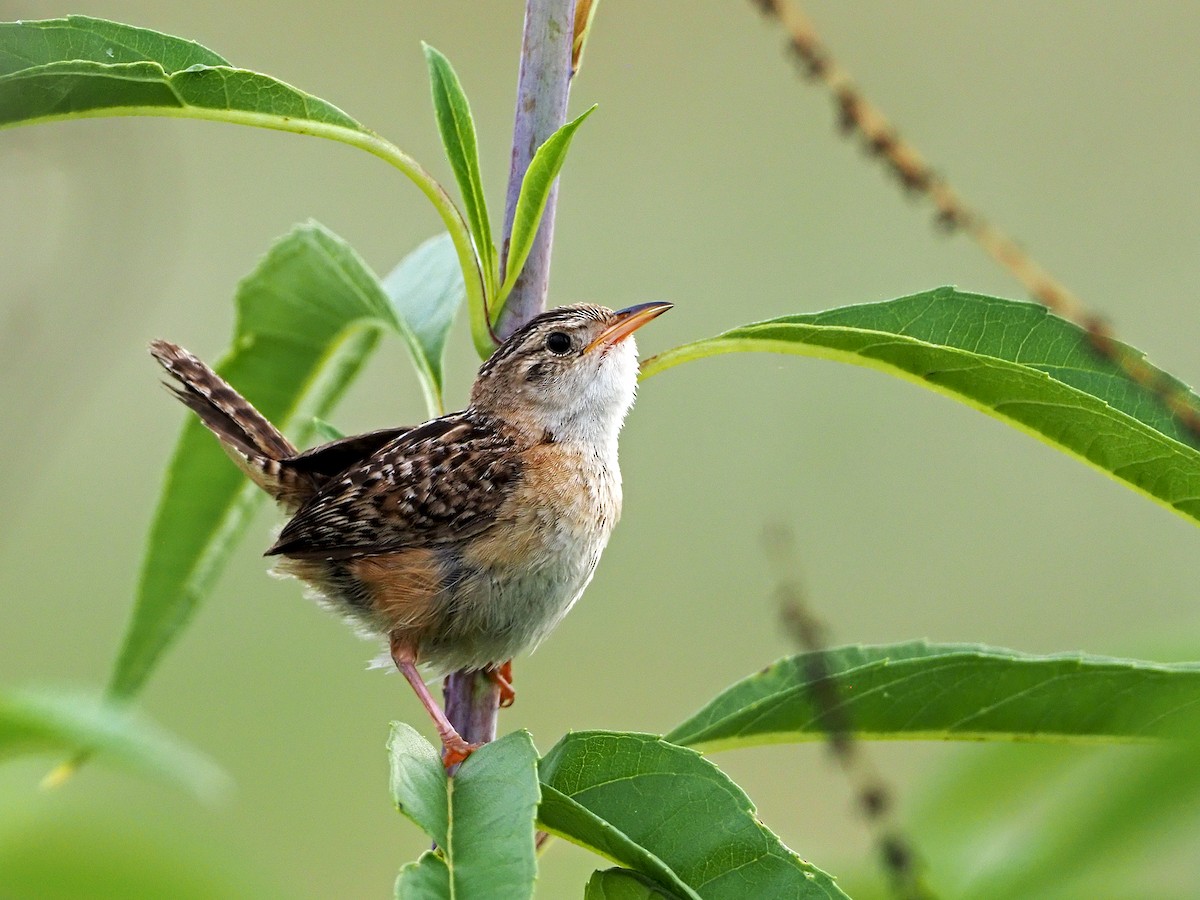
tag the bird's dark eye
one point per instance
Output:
(558, 343)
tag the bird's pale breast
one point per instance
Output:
(481, 601)
(516, 581)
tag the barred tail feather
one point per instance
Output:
(255, 444)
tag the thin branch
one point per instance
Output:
(472, 702)
(473, 699)
(857, 116)
(543, 87)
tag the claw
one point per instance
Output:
(455, 750)
(501, 676)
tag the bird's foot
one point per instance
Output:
(502, 677)
(455, 750)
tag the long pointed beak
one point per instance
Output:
(626, 321)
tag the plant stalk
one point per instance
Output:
(543, 85)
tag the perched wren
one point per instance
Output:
(465, 540)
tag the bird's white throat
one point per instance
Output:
(588, 403)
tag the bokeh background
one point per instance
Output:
(711, 176)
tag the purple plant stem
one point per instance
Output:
(472, 701)
(543, 85)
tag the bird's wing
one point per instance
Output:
(334, 458)
(442, 481)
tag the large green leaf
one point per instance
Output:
(81, 67)
(73, 67)
(954, 692)
(562, 815)
(482, 820)
(24, 45)
(1014, 361)
(81, 724)
(624, 884)
(307, 318)
(670, 814)
(539, 178)
(457, 128)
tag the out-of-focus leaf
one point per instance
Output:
(482, 820)
(624, 884)
(105, 852)
(307, 318)
(670, 814)
(457, 128)
(925, 691)
(539, 178)
(78, 724)
(325, 432)
(1048, 822)
(425, 290)
(1014, 361)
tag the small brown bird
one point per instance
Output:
(465, 540)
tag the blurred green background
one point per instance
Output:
(711, 176)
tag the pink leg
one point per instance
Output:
(454, 748)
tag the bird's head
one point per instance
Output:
(569, 374)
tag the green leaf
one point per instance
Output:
(562, 815)
(1014, 361)
(307, 318)
(670, 814)
(418, 781)
(457, 128)
(425, 291)
(1045, 822)
(482, 820)
(78, 724)
(624, 884)
(77, 88)
(428, 878)
(920, 691)
(80, 67)
(539, 178)
(24, 45)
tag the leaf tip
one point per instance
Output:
(62, 773)
(433, 54)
